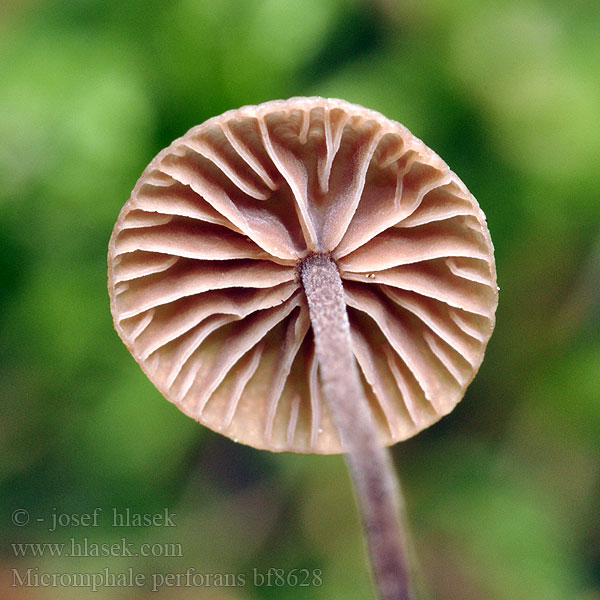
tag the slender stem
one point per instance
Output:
(369, 462)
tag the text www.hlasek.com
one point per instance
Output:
(84, 548)
(106, 578)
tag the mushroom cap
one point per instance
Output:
(203, 271)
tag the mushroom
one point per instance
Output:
(305, 275)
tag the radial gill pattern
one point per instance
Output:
(203, 271)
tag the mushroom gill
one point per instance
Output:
(204, 272)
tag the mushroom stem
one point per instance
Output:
(370, 466)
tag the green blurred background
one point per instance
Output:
(503, 494)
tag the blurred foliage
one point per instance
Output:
(504, 494)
